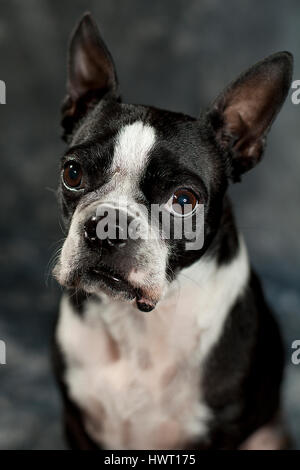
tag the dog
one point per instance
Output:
(159, 346)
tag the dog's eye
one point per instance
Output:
(72, 175)
(182, 202)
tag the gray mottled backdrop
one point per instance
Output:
(174, 54)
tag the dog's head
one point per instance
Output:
(122, 159)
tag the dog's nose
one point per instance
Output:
(114, 236)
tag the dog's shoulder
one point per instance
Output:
(243, 371)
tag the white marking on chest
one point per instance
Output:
(137, 376)
(133, 144)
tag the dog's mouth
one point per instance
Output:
(111, 279)
(114, 283)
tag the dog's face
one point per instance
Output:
(123, 159)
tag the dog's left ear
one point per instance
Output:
(91, 73)
(243, 114)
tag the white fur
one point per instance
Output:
(133, 145)
(137, 376)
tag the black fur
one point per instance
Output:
(242, 377)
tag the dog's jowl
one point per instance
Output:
(157, 345)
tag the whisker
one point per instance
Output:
(51, 263)
(51, 190)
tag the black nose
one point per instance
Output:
(115, 236)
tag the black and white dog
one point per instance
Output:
(203, 368)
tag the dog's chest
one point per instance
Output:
(137, 377)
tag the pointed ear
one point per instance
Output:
(243, 114)
(91, 73)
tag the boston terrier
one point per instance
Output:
(157, 345)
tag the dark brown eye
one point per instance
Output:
(72, 175)
(182, 202)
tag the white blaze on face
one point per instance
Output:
(133, 144)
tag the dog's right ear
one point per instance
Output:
(91, 73)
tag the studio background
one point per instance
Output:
(173, 54)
